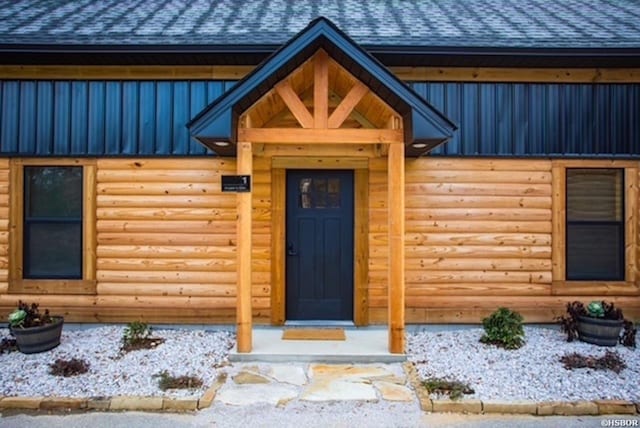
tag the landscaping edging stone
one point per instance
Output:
(119, 403)
(556, 408)
(427, 404)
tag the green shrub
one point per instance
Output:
(135, 332)
(503, 328)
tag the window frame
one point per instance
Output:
(17, 282)
(560, 284)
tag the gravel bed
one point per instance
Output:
(111, 373)
(533, 372)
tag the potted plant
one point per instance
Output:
(599, 323)
(34, 332)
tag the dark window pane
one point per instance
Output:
(334, 193)
(53, 191)
(595, 224)
(53, 249)
(595, 252)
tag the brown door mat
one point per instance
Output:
(313, 334)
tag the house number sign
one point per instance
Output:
(236, 183)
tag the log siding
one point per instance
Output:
(480, 233)
(4, 226)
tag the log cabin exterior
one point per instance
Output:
(435, 184)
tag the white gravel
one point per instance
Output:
(533, 372)
(184, 352)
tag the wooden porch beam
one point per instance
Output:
(313, 136)
(294, 103)
(321, 89)
(243, 254)
(347, 105)
(395, 177)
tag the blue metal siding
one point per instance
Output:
(98, 118)
(527, 119)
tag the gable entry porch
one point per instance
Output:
(313, 125)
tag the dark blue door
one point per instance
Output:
(319, 245)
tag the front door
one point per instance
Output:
(319, 245)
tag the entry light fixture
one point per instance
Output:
(221, 143)
(418, 145)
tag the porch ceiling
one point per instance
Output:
(424, 127)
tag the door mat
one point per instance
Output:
(313, 334)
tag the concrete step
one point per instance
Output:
(362, 345)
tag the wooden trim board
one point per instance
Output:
(313, 334)
(237, 72)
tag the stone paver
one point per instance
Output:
(249, 377)
(347, 371)
(393, 392)
(242, 395)
(293, 375)
(339, 390)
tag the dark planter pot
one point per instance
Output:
(599, 331)
(38, 339)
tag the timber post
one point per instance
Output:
(243, 254)
(395, 171)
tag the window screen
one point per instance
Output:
(595, 224)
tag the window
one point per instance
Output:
(319, 193)
(595, 236)
(52, 238)
(52, 241)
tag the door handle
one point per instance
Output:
(290, 251)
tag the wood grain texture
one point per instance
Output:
(396, 269)
(243, 255)
(165, 229)
(474, 227)
(278, 227)
(236, 72)
(320, 136)
(320, 89)
(294, 104)
(5, 186)
(361, 250)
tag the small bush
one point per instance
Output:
(68, 368)
(609, 361)
(167, 381)
(453, 388)
(137, 335)
(135, 332)
(503, 328)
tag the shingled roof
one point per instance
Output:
(377, 25)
